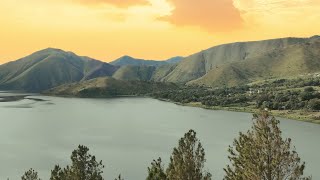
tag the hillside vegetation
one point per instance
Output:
(143, 73)
(110, 87)
(295, 98)
(242, 62)
(293, 60)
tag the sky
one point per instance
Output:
(149, 29)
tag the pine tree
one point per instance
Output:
(156, 171)
(84, 167)
(262, 153)
(30, 175)
(187, 160)
(119, 177)
(59, 174)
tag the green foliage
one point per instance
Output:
(119, 177)
(156, 171)
(84, 167)
(30, 175)
(308, 89)
(206, 96)
(58, 174)
(314, 104)
(306, 95)
(262, 153)
(110, 87)
(282, 94)
(187, 160)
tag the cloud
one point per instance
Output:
(271, 5)
(118, 3)
(280, 14)
(212, 15)
(279, 18)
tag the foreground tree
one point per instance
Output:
(84, 167)
(187, 160)
(156, 171)
(30, 175)
(119, 177)
(262, 153)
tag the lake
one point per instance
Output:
(125, 133)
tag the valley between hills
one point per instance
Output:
(279, 75)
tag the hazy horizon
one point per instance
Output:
(148, 29)
(153, 59)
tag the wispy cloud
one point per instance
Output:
(275, 11)
(271, 5)
(118, 3)
(280, 17)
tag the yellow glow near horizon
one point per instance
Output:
(149, 29)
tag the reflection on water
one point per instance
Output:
(19, 106)
(125, 133)
(23, 100)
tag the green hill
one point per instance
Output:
(162, 71)
(143, 73)
(199, 64)
(109, 87)
(292, 60)
(49, 68)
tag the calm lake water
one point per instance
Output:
(125, 133)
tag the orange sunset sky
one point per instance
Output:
(149, 29)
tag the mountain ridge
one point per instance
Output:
(50, 67)
(128, 60)
(198, 64)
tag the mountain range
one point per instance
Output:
(224, 65)
(127, 60)
(52, 67)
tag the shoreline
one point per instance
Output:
(296, 115)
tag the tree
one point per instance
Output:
(30, 175)
(306, 95)
(261, 153)
(84, 167)
(187, 160)
(314, 104)
(119, 177)
(60, 174)
(156, 171)
(308, 89)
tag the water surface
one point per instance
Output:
(125, 133)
